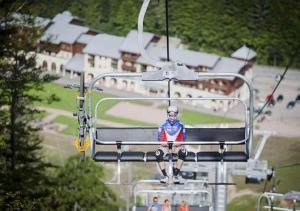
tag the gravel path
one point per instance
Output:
(57, 112)
(138, 112)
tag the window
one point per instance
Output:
(114, 64)
(45, 66)
(91, 60)
(61, 68)
(53, 67)
(113, 81)
(124, 84)
(144, 68)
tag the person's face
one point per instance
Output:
(172, 116)
(155, 200)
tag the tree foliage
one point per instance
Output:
(23, 179)
(79, 187)
(270, 27)
(25, 182)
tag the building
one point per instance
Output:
(74, 48)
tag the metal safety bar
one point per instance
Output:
(205, 182)
(270, 197)
(164, 98)
(169, 191)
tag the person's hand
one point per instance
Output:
(177, 144)
(164, 144)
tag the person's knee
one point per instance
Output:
(182, 153)
(159, 154)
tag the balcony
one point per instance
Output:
(129, 57)
(128, 68)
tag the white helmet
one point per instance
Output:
(172, 109)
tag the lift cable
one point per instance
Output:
(168, 47)
(275, 168)
(281, 78)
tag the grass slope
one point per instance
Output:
(279, 152)
(191, 118)
(66, 100)
(244, 203)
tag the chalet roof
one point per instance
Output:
(76, 63)
(65, 17)
(130, 43)
(174, 42)
(85, 38)
(244, 53)
(104, 45)
(42, 22)
(63, 32)
(192, 58)
(228, 65)
(38, 21)
(154, 51)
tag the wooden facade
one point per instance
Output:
(66, 47)
(128, 61)
(77, 22)
(78, 47)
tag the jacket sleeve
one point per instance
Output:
(159, 132)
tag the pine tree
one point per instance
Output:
(126, 17)
(23, 180)
(79, 187)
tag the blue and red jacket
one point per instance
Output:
(174, 131)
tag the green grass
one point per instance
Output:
(66, 97)
(278, 151)
(244, 203)
(40, 115)
(288, 178)
(191, 117)
(55, 156)
(248, 203)
(67, 101)
(127, 121)
(71, 124)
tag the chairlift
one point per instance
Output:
(221, 137)
(164, 72)
(291, 197)
(198, 199)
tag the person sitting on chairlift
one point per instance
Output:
(155, 206)
(171, 131)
